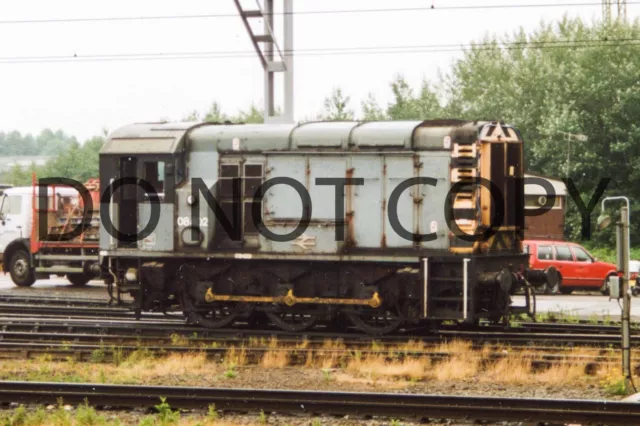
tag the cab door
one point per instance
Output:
(566, 264)
(10, 220)
(587, 274)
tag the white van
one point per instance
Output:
(16, 218)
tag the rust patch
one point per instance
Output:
(383, 239)
(417, 200)
(349, 213)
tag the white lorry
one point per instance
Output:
(28, 256)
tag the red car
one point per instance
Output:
(578, 270)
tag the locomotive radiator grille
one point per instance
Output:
(464, 169)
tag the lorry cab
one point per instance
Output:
(16, 221)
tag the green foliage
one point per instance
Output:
(166, 416)
(75, 161)
(262, 418)
(253, 115)
(87, 416)
(406, 106)
(614, 385)
(19, 417)
(371, 111)
(231, 373)
(46, 143)
(147, 421)
(212, 414)
(336, 107)
(98, 355)
(22, 417)
(547, 92)
(608, 254)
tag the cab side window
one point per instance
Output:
(154, 174)
(581, 255)
(11, 204)
(563, 253)
(544, 253)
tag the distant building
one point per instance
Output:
(7, 163)
(549, 226)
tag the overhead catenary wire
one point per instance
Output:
(430, 8)
(334, 51)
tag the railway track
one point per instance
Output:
(54, 307)
(390, 405)
(168, 329)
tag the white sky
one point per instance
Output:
(82, 98)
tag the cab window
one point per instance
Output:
(11, 204)
(563, 253)
(544, 253)
(154, 174)
(581, 255)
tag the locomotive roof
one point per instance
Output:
(157, 138)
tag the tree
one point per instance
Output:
(336, 107)
(215, 114)
(406, 106)
(193, 116)
(371, 111)
(253, 115)
(564, 77)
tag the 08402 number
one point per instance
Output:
(184, 221)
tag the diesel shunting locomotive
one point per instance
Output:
(381, 223)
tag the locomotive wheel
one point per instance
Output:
(375, 322)
(292, 320)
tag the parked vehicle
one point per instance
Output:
(27, 255)
(577, 268)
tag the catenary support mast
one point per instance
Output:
(273, 59)
(621, 6)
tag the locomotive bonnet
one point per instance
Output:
(382, 223)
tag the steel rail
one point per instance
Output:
(56, 300)
(53, 307)
(338, 403)
(89, 312)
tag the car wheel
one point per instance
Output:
(553, 289)
(20, 268)
(554, 280)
